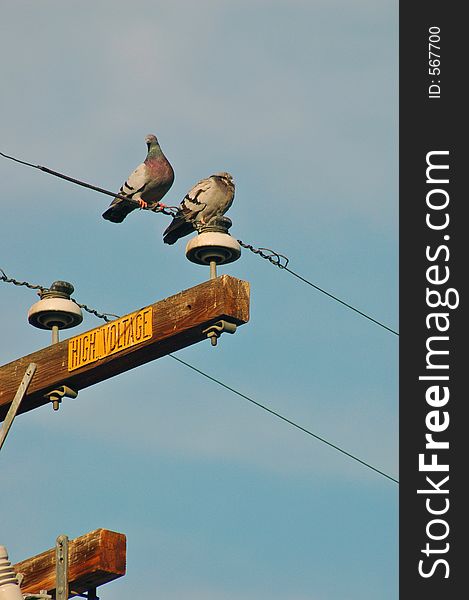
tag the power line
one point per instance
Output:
(341, 301)
(167, 210)
(4, 277)
(281, 261)
(32, 286)
(278, 415)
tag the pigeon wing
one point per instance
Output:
(133, 188)
(195, 200)
(191, 205)
(217, 199)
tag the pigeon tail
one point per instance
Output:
(178, 228)
(116, 213)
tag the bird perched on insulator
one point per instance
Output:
(209, 198)
(146, 186)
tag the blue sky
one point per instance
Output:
(218, 499)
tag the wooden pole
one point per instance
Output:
(138, 338)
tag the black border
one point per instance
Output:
(427, 124)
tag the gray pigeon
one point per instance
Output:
(209, 198)
(146, 185)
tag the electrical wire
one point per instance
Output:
(341, 301)
(4, 277)
(167, 210)
(281, 261)
(279, 416)
(32, 286)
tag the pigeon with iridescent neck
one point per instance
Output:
(209, 198)
(146, 186)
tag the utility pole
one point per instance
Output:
(135, 339)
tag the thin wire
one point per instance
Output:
(276, 259)
(31, 286)
(278, 415)
(168, 210)
(341, 301)
(92, 311)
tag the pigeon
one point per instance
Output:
(209, 198)
(145, 186)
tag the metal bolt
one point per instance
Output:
(213, 269)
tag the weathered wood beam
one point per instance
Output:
(94, 559)
(176, 322)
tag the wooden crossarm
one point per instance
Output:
(138, 338)
(94, 559)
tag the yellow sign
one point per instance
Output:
(113, 337)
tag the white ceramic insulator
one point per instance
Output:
(9, 588)
(213, 246)
(55, 311)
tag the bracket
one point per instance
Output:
(90, 594)
(22, 389)
(43, 595)
(55, 396)
(62, 590)
(61, 568)
(214, 331)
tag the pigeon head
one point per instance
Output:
(150, 139)
(224, 175)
